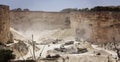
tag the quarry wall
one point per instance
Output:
(38, 20)
(96, 26)
(4, 24)
(87, 25)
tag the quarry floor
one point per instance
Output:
(47, 41)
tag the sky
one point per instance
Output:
(57, 5)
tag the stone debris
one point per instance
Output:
(20, 49)
(67, 50)
(51, 41)
(69, 43)
(55, 56)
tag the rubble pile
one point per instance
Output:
(61, 50)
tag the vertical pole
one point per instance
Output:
(33, 43)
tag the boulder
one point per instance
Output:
(69, 43)
(20, 49)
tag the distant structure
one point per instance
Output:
(4, 24)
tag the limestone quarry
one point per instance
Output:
(78, 36)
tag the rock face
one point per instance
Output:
(4, 24)
(38, 20)
(91, 26)
(96, 26)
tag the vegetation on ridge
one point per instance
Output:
(97, 8)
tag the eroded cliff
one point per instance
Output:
(96, 26)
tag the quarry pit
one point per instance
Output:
(60, 36)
